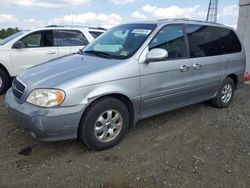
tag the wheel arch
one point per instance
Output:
(4, 69)
(128, 103)
(119, 96)
(234, 78)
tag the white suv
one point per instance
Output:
(28, 48)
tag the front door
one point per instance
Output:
(165, 84)
(38, 47)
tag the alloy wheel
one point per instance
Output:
(227, 93)
(108, 126)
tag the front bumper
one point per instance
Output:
(45, 124)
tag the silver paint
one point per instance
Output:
(151, 87)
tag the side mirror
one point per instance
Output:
(156, 54)
(19, 44)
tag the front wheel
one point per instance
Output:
(225, 93)
(104, 124)
(4, 82)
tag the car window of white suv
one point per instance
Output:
(33, 40)
(70, 38)
(47, 39)
(39, 39)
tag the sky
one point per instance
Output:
(28, 14)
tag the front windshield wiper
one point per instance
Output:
(80, 51)
(100, 54)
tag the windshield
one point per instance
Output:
(120, 42)
(6, 40)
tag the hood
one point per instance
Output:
(60, 70)
(2, 48)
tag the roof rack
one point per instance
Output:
(186, 19)
(74, 26)
(100, 28)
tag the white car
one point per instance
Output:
(28, 48)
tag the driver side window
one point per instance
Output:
(33, 40)
(38, 39)
(171, 38)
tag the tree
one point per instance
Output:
(7, 32)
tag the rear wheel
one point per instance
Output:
(104, 124)
(225, 94)
(4, 82)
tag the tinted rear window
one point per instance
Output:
(229, 41)
(70, 38)
(211, 40)
(203, 40)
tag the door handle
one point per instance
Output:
(197, 66)
(51, 52)
(184, 68)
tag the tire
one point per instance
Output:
(4, 82)
(104, 124)
(225, 94)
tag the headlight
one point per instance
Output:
(46, 97)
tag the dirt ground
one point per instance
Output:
(197, 146)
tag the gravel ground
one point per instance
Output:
(197, 146)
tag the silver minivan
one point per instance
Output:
(132, 72)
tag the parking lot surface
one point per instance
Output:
(196, 146)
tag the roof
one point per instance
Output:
(178, 20)
(81, 28)
(75, 26)
(186, 20)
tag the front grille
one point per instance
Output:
(18, 88)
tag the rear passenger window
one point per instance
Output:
(95, 34)
(203, 40)
(229, 41)
(70, 38)
(172, 39)
(48, 39)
